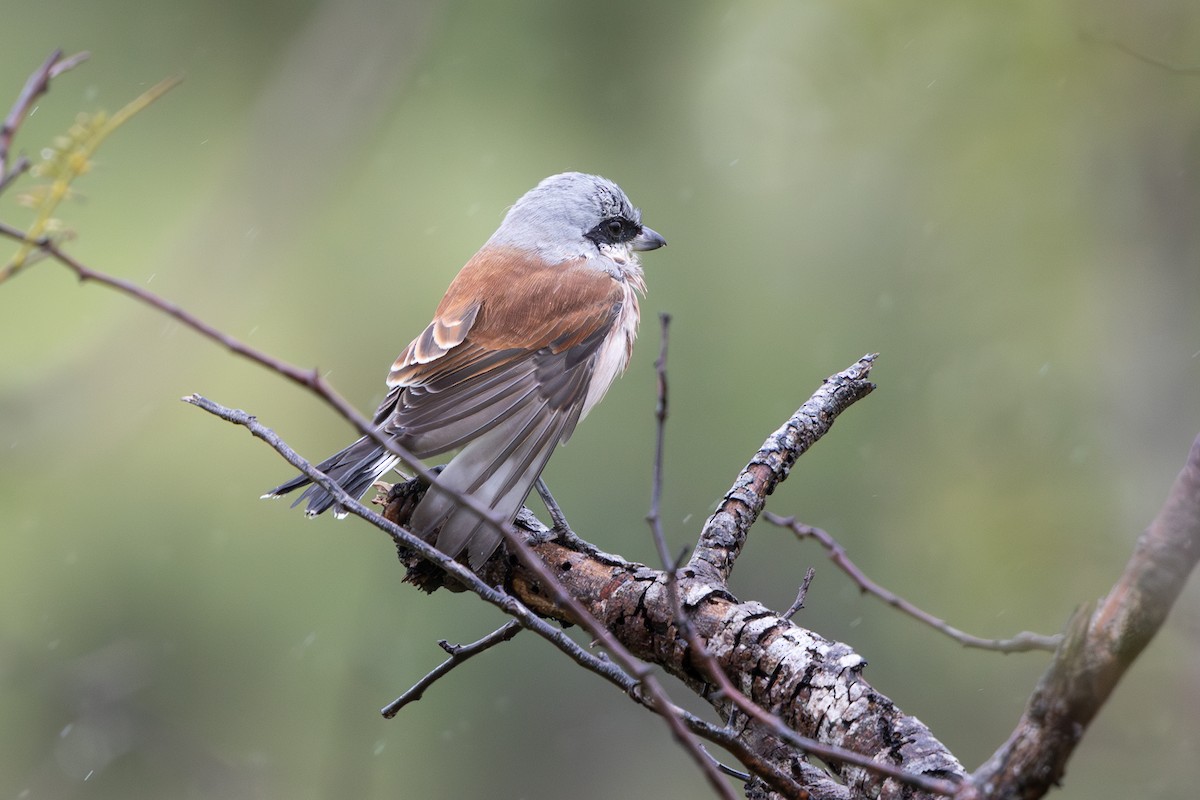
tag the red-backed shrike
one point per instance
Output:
(530, 335)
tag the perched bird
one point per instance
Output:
(528, 338)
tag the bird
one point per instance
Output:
(528, 338)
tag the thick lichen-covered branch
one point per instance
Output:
(725, 532)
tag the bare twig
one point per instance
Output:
(458, 654)
(744, 777)
(795, 607)
(1100, 37)
(653, 517)
(725, 532)
(497, 597)
(1022, 642)
(37, 85)
(767, 771)
(656, 481)
(309, 379)
(502, 600)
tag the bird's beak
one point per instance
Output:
(648, 240)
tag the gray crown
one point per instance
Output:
(553, 217)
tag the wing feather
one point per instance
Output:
(493, 345)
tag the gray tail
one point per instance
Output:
(498, 469)
(354, 469)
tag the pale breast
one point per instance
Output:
(615, 350)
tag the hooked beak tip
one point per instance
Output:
(648, 239)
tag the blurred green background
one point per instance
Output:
(995, 195)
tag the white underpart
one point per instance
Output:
(614, 350)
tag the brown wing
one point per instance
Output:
(508, 335)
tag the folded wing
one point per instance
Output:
(501, 373)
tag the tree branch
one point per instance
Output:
(458, 654)
(36, 86)
(1102, 640)
(802, 593)
(725, 532)
(1020, 643)
(814, 686)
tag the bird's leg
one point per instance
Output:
(560, 527)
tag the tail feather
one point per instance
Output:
(354, 469)
(498, 469)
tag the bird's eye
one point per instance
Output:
(614, 230)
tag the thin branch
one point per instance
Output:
(764, 769)
(505, 602)
(653, 517)
(309, 379)
(458, 654)
(1022, 642)
(37, 85)
(795, 607)
(744, 777)
(1100, 37)
(725, 532)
